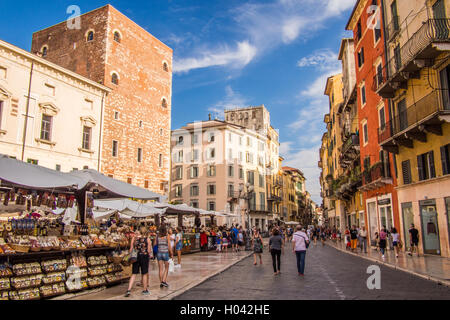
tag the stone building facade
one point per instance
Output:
(113, 50)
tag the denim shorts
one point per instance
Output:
(179, 246)
(162, 256)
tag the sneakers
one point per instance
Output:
(145, 293)
(127, 294)
(164, 284)
(178, 266)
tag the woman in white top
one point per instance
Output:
(395, 241)
(172, 240)
(179, 246)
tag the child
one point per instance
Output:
(218, 243)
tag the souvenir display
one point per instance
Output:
(113, 277)
(96, 281)
(5, 284)
(54, 277)
(26, 294)
(4, 296)
(27, 281)
(27, 269)
(54, 265)
(97, 260)
(53, 290)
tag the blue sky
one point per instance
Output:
(230, 53)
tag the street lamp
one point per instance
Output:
(248, 196)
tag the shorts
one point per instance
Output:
(234, 240)
(218, 247)
(141, 264)
(179, 246)
(162, 256)
(241, 243)
(395, 244)
(225, 243)
(415, 243)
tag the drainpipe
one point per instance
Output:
(383, 18)
(27, 111)
(101, 131)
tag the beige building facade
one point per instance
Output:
(49, 115)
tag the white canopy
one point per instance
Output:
(129, 208)
(179, 208)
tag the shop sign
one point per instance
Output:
(384, 202)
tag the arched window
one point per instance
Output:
(164, 103)
(115, 79)
(165, 66)
(90, 36)
(44, 51)
(117, 37)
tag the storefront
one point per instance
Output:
(408, 220)
(379, 212)
(430, 227)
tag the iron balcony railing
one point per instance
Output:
(375, 173)
(432, 30)
(392, 28)
(414, 114)
(273, 197)
(258, 208)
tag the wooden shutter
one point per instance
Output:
(420, 168)
(406, 171)
(445, 160)
(445, 76)
(431, 163)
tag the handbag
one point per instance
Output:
(133, 256)
(171, 266)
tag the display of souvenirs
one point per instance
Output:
(55, 277)
(75, 272)
(96, 281)
(78, 260)
(6, 250)
(5, 270)
(76, 244)
(54, 265)
(4, 284)
(97, 260)
(27, 269)
(113, 277)
(53, 290)
(76, 285)
(97, 271)
(4, 296)
(27, 294)
(114, 268)
(96, 241)
(27, 281)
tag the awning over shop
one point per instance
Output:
(129, 208)
(176, 209)
(22, 174)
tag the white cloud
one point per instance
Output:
(336, 7)
(231, 100)
(240, 56)
(291, 29)
(323, 60)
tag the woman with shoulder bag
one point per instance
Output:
(257, 242)
(163, 256)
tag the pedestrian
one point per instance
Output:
(347, 239)
(363, 239)
(234, 237)
(353, 238)
(257, 243)
(179, 245)
(219, 242)
(290, 233)
(141, 244)
(240, 238)
(300, 243)
(382, 242)
(224, 241)
(323, 236)
(414, 240)
(395, 240)
(164, 252)
(172, 241)
(276, 245)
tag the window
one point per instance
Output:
(32, 161)
(178, 191)
(211, 153)
(211, 137)
(194, 204)
(365, 133)
(261, 181)
(230, 137)
(249, 142)
(87, 132)
(179, 157)
(358, 31)
(116, 115)
(115, 147)
(160, 162)
(58, 167)
(85, 167)
(141, 123)
(180, 141)
(394, 14)
(194, 138)
(193, 172)
(382, 118)
(249, 157)
(178, 173)
(361, 57)
(139, 155)
(425, 166)
(251, 177)
(165, 67)
(44, 51)
(397, 58)
(211, 189)
(90, 36)
(211, 205)
(230, 154)
(46, 127)
(194, 155)
(230, 171)
(117, 37)
(164, 103)
(50, 90)
(194, 192)
(240, 141)
(379, 75)
(130, 180)
(363, 95)
(211, 171)
(406, 171)
(444, 74)
(230, 190)
(445, 159)
(241, 156)
(115, 79)
(146, 184)
(241, 173)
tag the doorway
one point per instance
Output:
(408, 219)
(373, 221)
(430, 227)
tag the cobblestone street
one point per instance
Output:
(330, 274)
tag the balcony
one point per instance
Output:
(233, 196)
(430, 40)
(258, 208)
(350, 150)
(278, 182)
(426, 115)
(274, 197)
(375, 177)
(393, 28)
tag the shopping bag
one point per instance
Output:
(171, 266)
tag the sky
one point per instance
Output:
(231, 53)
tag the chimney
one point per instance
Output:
(209, 117)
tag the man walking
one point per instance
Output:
(363, 237)
(300, 242)
(353, 238)
(414, 240)
(234, 238)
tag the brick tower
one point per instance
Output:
(113, 50)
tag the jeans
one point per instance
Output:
(363, 242)
(301, 255)
(276, 259)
